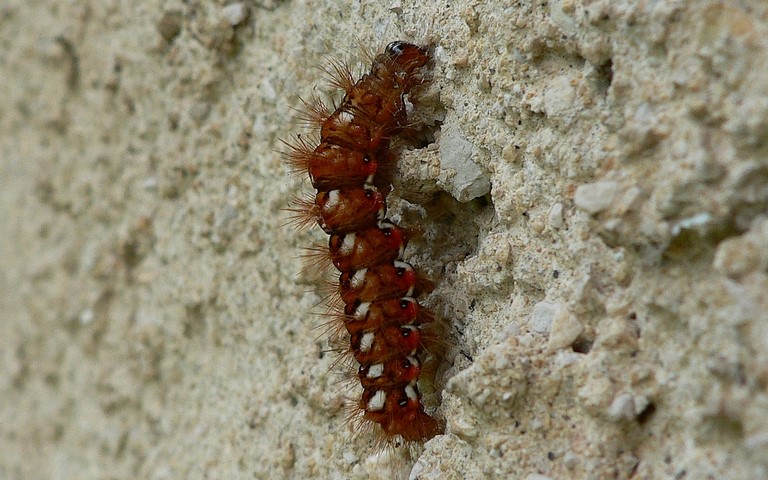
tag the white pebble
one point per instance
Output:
(564, 358)
(555, 216)
(564, 330)
(150, 183)
(596, 197)
(739, 256)
(459, 174)
(463, 428)
(698, 223)
(622, 408)
(755, 441)
(570, 460)
(541, 316)
(235, 13)
(350, 457)
(86, 316)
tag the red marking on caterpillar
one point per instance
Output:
(384, 321)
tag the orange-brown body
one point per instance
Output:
(351, 209)
(397, 279)
(334, 166)
(383, 243)
(378, 289)
(367, 316)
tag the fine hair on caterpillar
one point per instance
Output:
(379, 330)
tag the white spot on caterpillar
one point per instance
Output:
(362, 310)
(375, 370)
(414, 361)
(344, 118)
(405, 266)
(377, 401)
(358, 278)
(333, 200)
(367, 341)
(408, 105)
(410, 392)
(347, 244)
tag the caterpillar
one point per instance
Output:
(385, 324)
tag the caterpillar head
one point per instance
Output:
(407, 55)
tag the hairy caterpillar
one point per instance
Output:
(381, 313)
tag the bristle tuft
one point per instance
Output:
(313, 112)
(302, 212)
(338, 73)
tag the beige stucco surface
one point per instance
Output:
(593, 209)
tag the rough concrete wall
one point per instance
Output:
(604, 274)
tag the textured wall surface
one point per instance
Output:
(594, 210)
